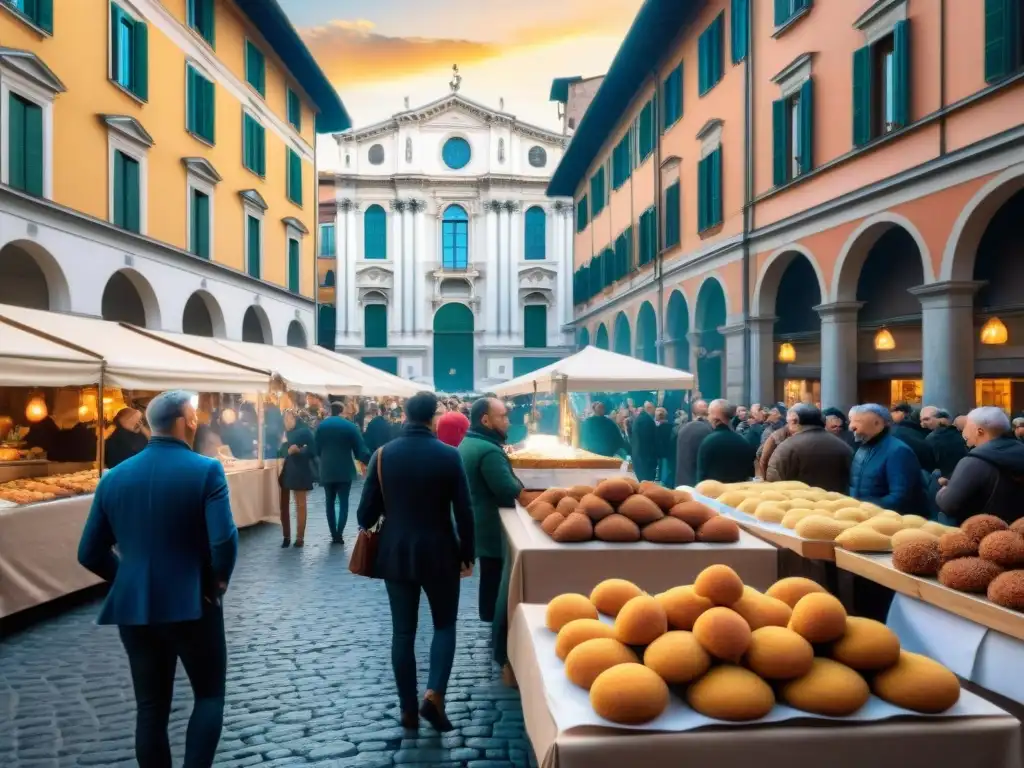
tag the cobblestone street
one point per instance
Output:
(309, 675)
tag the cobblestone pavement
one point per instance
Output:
(309, 676)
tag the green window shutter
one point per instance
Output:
(375, 233)
(33, 146)
(581, 214)
(132, 196)
(293, 265)
(255, 68)
(901, 75)
(200, 224)
(807, 127)
(253, 237)
(140, 60)
(16, 141)
(718, 47)
(191, 99)
(209, 104)
(780, 142)
(116, 16)
(702, 195)
(294, 177)
(702, 64)
(740, 25)
(646, 128)
(119, 189)
(209, 21)
(1000, 21)
(294, 110)
(44, 15)
(536, 234)
(782, 13)
(862, 96)
(672, 216)
(716, 188)
(608, 265)
(375, 326)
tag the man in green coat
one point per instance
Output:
(724, 455)
(492, 486)
(600, 435)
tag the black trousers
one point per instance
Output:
(490, 582)
(153, 653)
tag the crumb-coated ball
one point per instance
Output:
(1018, 525)
(552, 495)
(731, 693)
(681, 496)
(568, 607)
(819, 618)
(579, 491)
(677, 657)
(866, 646)
(829, 688)
(640, 509)
(550, 523)
(917, 683)
(719, 530)
(723, 633)
(668, 530)
(978, 527)
(710, 488)
(1004, 548)
(918, 557)
(1007, 590)
(720, 584)
(968, 574)
(760, 610)
(540, 510)
(611, 594)
(579, 631)
(641, 621)
(614, 490)
(574, 529)
(914, 534)
(778, 653)
(566, 506)
(596, 508)
(617, 528)
(955, 544)
(629, 694)
(792, 588)
(693, 513)
(592, 657)
(660, 495)
(682, 606)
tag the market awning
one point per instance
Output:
(135, 361)
(374, 382)
(30, 360)
(297, 373)
(597, 370)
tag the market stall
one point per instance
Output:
(372, 381)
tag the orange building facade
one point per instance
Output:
(804, 196)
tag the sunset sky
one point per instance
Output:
(377, 53)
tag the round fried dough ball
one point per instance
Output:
(760, 610)
(682, 606)
(573, 529)
(792, 588)
(641, 510)
(615, 490)
(917, 683)
(720, 584)
(723, 633)
(1004, 548)
(677, 657)
(980, 526)
(568, 607)
(540, 510)
(1018, 525)
(968, 574)
(693, 513)
(830, 688)
(719, 530)
(579, 491)
(566, 506)
(795, 515)
(819, 618)
(579, 631)
(956, 544)
(731, 693)
(596, 508)
(668, 530)
(611, 594)
(778, 653)
(682, 496)
(660, 495)
(617, 528)
(770, 512)
(592, 657)
(552, 496)
(918, 557)
(641, 621)
(1007, 590)
(629, 694)
(550, 523)
(866, 646)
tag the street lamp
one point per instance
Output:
(884, 341)
(994, 332)
(787, 353)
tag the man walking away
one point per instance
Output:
(885, 470)
(167, 512)
(688, 441)
(666, 443)
(378, 429)
(723, 455)
(811, 454)
(946, 443)
(644, 444)
(990, 479)
(339, 445)
(600, 435)
(492, 486)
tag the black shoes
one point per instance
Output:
(286, 543)
(432, 710)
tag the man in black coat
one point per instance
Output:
(665, 439)
(724, 455)
(907, 428)
(644, 444)
(946, 442)
(378, 430)
(688, 441)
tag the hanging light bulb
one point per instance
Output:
(884, 341)
(994, 332)
(36, 409)
(787, 353)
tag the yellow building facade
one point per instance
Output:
(165, 153)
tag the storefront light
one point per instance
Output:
(787, 353)
(36, 409)
(994, 332)
(884, 341)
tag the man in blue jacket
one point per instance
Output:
(166, 509)
(885, 470)
(339, 444)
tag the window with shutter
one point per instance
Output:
(710, 51)
(881, 85)
(327, 245)
(200, 117)
(672, 98)
(455, 238)
(709, 182)
(25, 145)
(254, 151)
(787, 10)
(375, 233)
(127, 204)
(536, 234)
(646, 138)
(582, 214)
(673, 214)
(255, 68)
(597, 183)
(792, 135)
(294, 262)
(254, 247)
(1004, 38)
(200, 239)
(294, 177)
(129, 52)
(375, 326)
(740, 29)
(622, 161)
(201, 18)
(294, 110)
(37, 12)
(535, 326)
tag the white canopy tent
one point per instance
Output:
(374, 382)
(597, 370)
(29, 360)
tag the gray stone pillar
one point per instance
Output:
(839, 354)
(947, 343)
(762, 360)
(734, 364)
(694, 339)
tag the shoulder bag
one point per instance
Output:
(364, 554)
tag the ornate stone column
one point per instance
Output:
(554, 253)
(569, 259)
(839, 354)
(762, 360)
(350, 210)
(504, 256)
(416, 280)
(493, 279)
(516, 238)
(734, 364)
(396, 251)
(408, 266)
(694, 340)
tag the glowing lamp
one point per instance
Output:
(884, 341)
(228, 416)
(36, 409)
(787, 353)
(994, 332)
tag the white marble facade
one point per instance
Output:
(400, 165)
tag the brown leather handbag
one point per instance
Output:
(364, 554)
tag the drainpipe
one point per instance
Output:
(659, 215)
(316, 251)
(942, 76)
(748, 194)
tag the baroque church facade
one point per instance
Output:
(442, 260)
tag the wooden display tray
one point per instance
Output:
(879, 569)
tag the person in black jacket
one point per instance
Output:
(907, 428)
(665, 439)
(127, 439)
(946, 442)
(415, 484)
(837, 423)
(378, 430)
(297, 449)
(643, 444)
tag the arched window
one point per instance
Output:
(536, 233)
(455, 238)
(375, 326)
(329, 279)
(375, 233)
(456, 153)
(325, 327)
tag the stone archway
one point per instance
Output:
(582, 339)
(256, 326)
(622, 335)
(129, 298)
(677, 329)
(296, 335)
(202, 316)
(30, 277)
(859, 245)
(647, 334)
(454, 348)
(601, 337)
(710, 315)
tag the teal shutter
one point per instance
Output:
(132, 196)
(536, 234)
(209, 111)
(581, 214)
(375, 233)
(672, 216)
(119, 196)
(200, 224)
(294, 177)
(535, 326)
(208, 19)
(715, 213)
(862, 96)
(293, 265)
(702, 64)
(740, 25)
(1000, 22)
(192, 99)
(33, 146)
(116, 16)
(253, 236)
(44, 15)
(901, 75)
(807, 127)
(782, 13)
(294, 110)
(140, 60)
(16, 142)
(718, 43)
(702, 195)
(780, 142)
(255, 68)
(375, 326)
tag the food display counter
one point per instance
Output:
(545, 462)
